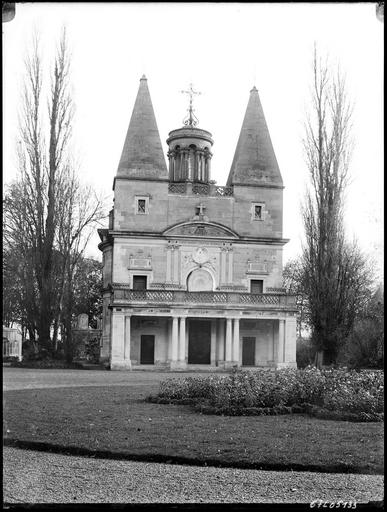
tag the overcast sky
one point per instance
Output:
(223, 49)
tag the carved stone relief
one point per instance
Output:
(263, 261)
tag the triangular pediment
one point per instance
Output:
(200, 229)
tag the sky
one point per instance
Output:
(223, 49)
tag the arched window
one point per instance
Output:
(200, 281)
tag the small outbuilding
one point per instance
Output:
(12, 343)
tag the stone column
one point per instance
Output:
(127, 341)
(185, 164)
(173, 177)
(220, 344)
(207, 160)
(169, 338)
(208, 167)
(213, 342)
(235, 356)
(290, 342)
(195, 172)
(191, 164)
(281, 342)
(175, 328)
(171, 174)
(228, 340)
(178, 166)
(182, 340)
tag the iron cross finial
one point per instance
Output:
(191, 119)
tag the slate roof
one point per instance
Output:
(142, 154)
(254, 161)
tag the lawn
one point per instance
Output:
(116, 421)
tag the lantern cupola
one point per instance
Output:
(190, 149)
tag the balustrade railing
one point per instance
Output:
(224, 191)
(177, 188)
(184, 297)
(200, 189)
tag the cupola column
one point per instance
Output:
(200, 176)
(184, 172)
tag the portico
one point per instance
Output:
(187, 339)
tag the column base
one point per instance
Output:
(229, 365)
(290, 364)
(120, 364)
(178, 365)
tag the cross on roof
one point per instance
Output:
(192, 119)
(201, 207)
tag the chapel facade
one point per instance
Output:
(192, 271)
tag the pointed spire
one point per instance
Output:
(142, 154)
(254, 161)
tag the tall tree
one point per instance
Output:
(336, 277)
(364, 348)
(47, 212)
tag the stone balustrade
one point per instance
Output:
(175, 297)
(200, 189)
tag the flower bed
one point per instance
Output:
(329, 394)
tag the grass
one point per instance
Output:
(115, 421)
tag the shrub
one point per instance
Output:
(283, 391)
(46, 363)
(10, 359)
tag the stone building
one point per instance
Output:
(193, 271)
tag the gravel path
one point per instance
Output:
(36, 477)
(26, 378)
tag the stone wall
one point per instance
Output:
(165, 210)
(162, 264)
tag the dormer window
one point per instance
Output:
(142, 205)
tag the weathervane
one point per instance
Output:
(191, 119)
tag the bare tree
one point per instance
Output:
(336, 277)
(81, 211)
(293, 284)
(47, 212)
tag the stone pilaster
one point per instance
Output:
(117, 360)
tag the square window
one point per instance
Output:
(139, 282)
(257, 211)
(141, 206)
(256, 286)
